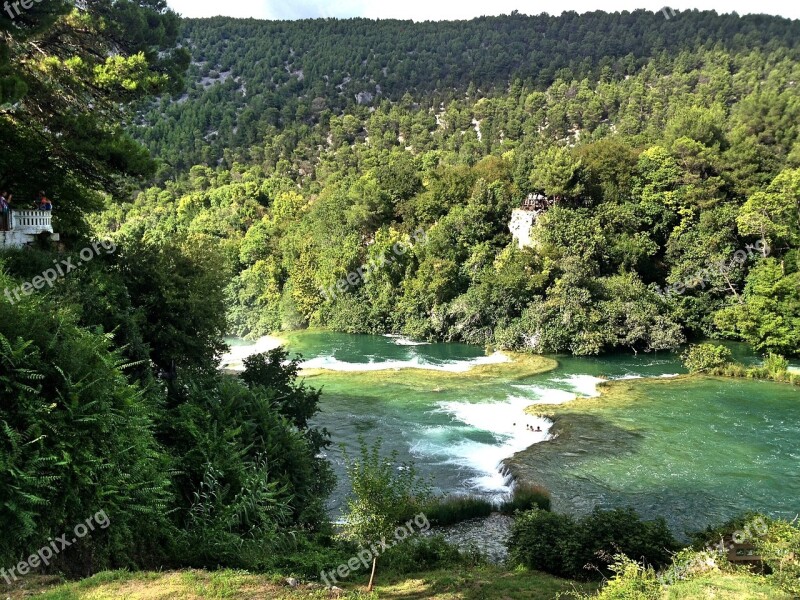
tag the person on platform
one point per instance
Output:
(44, 202)
(5, 211)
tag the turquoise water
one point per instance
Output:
(697, 451)
(710, 447)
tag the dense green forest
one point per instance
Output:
(256, 79)
(671, 145)
(238, 171)
(110, 398)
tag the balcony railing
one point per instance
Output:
(32, 221)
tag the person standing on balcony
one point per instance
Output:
(44, 202)
(5, 211)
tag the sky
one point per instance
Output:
(422, 10)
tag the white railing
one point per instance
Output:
(32, 221)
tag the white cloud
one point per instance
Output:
(421, 10)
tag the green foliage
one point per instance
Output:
(543, 541)
(702, 358)
(775, 364)
(780, 549)
(178, 287)
(583, 548)
(76, 438)
(272, 371)
(630, 581)
(206, 470)
(384, 492)
(421, 553)
(68, 71)
(752, 524)
(298, 93)
(663, 166)
(556, 173)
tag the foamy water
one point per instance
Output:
(234, 358)
(584, 385)
(507, 422)
(331, 363)
(401, 340)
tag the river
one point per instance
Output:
(695, 450)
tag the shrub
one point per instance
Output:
(775, 364)
(75, 438)
(780, 549)
(604, 533)
(420, 553)
(383, 493)
(631, 580)
(543, 541)
(309, 555)
(705, 357)
(559, 545)
(751, 525)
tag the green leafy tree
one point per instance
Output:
(702, 358)
(774, 214)
(557, 173)
(70, 70)
(384, 493)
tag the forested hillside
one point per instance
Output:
(254, 79)
(359, 176)
(672, 146)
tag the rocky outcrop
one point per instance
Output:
(521, 223)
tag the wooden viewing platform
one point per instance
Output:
(537, 202)
(738, 553)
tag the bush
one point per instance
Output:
(631, 580)
(543, 541)
(751, 525)
(706, 357)
(526, 497)
(420, 553)
(75, 438)
(309, 555)
(775, 364)
(562, 546)
(780, 549)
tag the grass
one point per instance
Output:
(762, 373)
(486, 582)
(462, 583)
(449, 510)
(725, 586)
(525, 497)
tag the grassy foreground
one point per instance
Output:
(450, 584)
(484, 583)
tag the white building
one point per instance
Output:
(26, 226)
